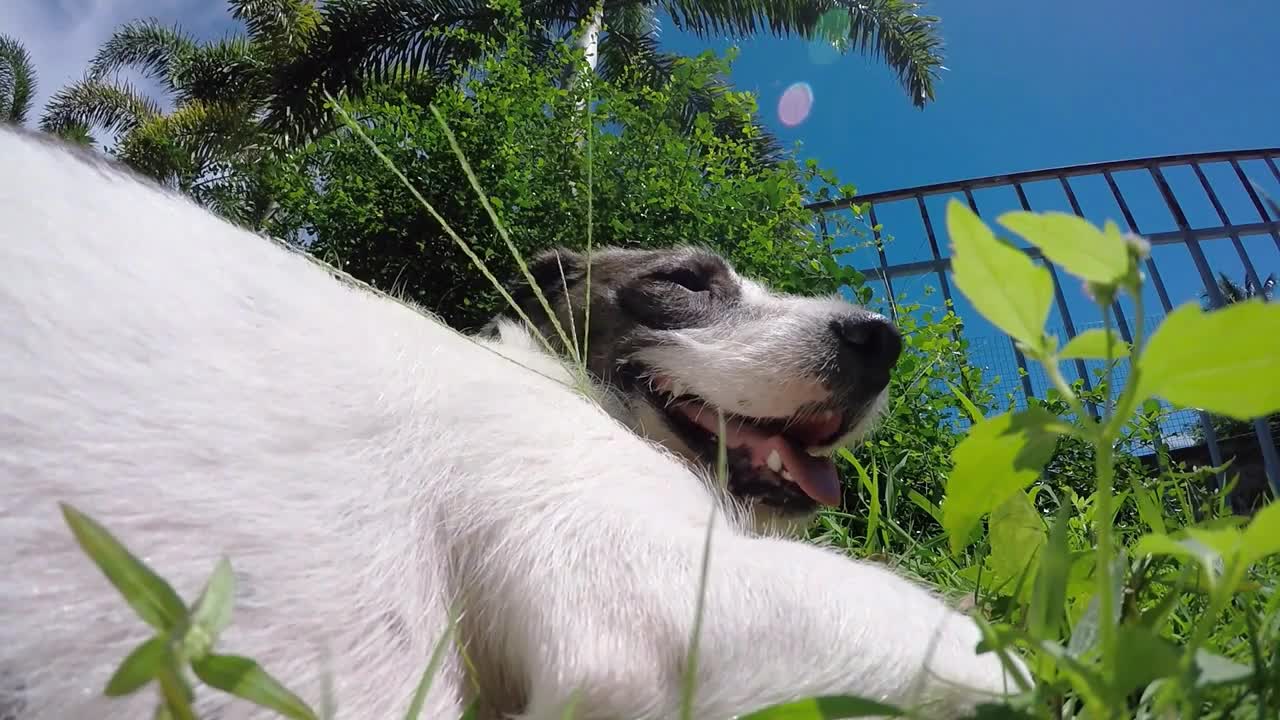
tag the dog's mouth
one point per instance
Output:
(774, 461)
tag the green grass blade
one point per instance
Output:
(429, 673)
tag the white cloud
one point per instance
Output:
(62, 35)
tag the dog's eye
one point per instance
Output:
(685, 278)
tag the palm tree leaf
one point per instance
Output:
(145, 45)
(891, 31)
(152, 149)
(226, 70)
(78, 135)
(116, 107)
(17, 81)
(381, 40)
(285, 26)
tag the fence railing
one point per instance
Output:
(1167, 193)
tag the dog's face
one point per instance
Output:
(687, 340)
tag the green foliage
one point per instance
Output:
(1095, 344)
(1073, 243)
(1005, 285)
(1018, 443)
(654, 184)
(1220, 361)
(183, 637)
(825, 708)
(1136, 640)
(17, 81)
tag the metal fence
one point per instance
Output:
(1204, 214)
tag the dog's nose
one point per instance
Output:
(874, 340)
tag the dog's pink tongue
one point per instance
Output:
(816, 477)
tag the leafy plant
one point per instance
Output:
(1118, 658)
(185, 636)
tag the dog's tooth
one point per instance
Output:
(775, 462)
(786, 475)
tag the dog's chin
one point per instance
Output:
(779, 468)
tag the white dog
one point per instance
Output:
(202, 391)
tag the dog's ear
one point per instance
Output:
(552, 270)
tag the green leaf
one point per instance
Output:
(1092, 345)
(147, 593)
(1222, 361)
(998, 457)
(212, 612)
(1209, 558)
(925, 504)
(472, 712)
(824, 708)
(245, 679)
(1085, 680)
(1073, 243)
(1001, 281)
(1017, 533)
(1141, 656)
(1262, 536)
(975, 415)
(1149, 509)
(1214, 670)
(139, 667)
(873, 493)
(1085, 634)
(1049, 597)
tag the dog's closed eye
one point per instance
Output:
(685, 278)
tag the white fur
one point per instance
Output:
(202, 391)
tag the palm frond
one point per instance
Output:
(152, 149)
(1231, 292)
(634, 18)
(145, 45)
(78, 135)
(285, 26)
(213, 131)
(224, 70)
(190, 142)
(375, 40)
(891, 31)
(116, 107)
(17, 81)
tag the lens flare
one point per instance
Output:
(795, 104)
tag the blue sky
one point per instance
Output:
(1029, 84)
(1040, 84)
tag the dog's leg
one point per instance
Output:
(782, 620)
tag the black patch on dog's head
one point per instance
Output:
(553, 272)
(631, 292)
